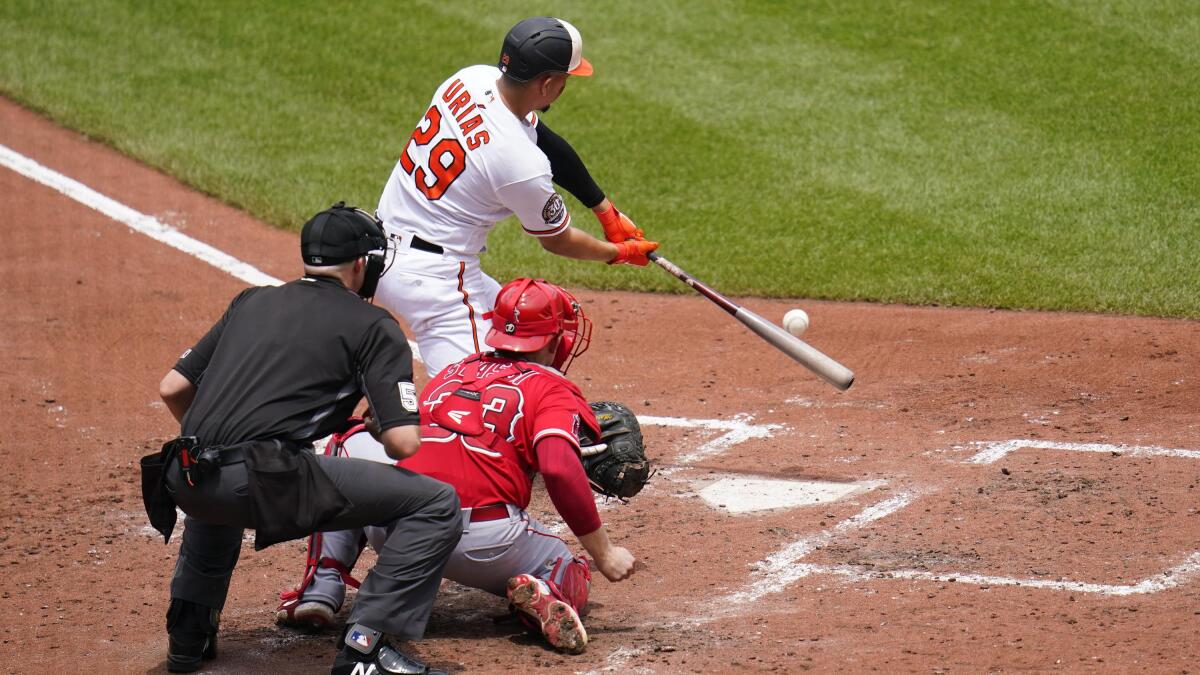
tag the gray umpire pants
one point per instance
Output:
(421, 516)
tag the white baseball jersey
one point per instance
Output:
(469, 164)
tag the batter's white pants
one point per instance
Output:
(442, 297)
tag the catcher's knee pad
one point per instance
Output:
(574, 581)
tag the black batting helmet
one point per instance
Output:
(542, 44)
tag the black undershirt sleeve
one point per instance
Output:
(568, 169)
(386, 368)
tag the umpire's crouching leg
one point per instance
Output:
(423, 522)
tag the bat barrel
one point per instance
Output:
(805, 354)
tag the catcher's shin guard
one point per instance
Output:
(191, 635)
(293, 610)
(574, 582)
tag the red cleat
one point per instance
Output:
(295, 613)
(560, 624)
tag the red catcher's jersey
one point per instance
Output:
(520, 403)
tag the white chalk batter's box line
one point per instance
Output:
(994, 451)
(784, 567)
(737, 430)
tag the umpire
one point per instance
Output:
(284, 366)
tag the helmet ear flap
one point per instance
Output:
(565, 342)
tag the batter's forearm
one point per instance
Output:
(577, 244)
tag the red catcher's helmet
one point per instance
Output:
(529, 313)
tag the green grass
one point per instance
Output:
(1005, 154)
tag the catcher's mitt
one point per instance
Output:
(616, 462)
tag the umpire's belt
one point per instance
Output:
(224, 456)
(419, 244)
(197, 463)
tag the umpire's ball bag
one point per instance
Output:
(160, 508)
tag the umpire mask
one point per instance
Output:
(376, 264)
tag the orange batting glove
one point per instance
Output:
(633, 252)
(618, 227)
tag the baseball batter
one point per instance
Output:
(478, 155)
(490, 422)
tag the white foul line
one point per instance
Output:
(619, 661)
(996, 451)
(139, 222)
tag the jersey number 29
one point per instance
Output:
(447, 159)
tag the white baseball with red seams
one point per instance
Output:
(796, 321)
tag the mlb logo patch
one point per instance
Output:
(360, 639)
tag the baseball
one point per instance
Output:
(796, 321)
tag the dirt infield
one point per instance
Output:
(1023, 487)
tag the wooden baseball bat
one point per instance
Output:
(808, 356)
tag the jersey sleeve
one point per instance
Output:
(193, 362)
(558, 412)
(540, 209)
(386, 375)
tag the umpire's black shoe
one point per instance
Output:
(192, 635)
(364, 652)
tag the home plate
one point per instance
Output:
(741, 495)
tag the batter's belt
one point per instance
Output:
(410, 240)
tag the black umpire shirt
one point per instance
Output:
(293, 361)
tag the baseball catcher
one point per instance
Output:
(489, 423)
